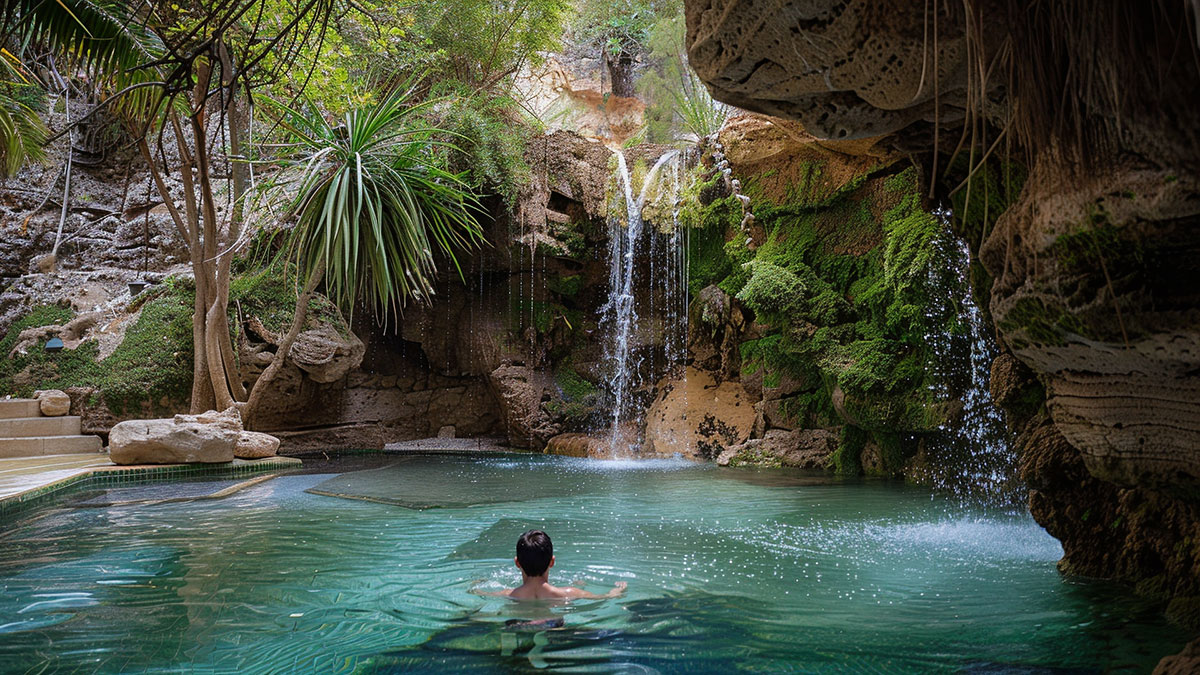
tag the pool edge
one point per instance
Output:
(106, 476)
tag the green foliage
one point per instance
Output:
(844, 281)
(373, 203)
(620, 27)
(483, 43)
(679, 105)
(269, 293)
(150, 369)
(568, 286)
(846, 460)
(573, 386)
(771, 291)
(489, 144)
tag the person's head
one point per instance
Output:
(535, 553)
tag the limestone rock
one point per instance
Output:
(325, 354)
(578, 445)
(846, 70)
(54, 403)
(802, 448)
(255, 445)
(698, 418)
(229, 418)
(446, 431)
(519, 389)
(716, 324)
(168, 441)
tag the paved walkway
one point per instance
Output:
(29, 473)
(24, 480)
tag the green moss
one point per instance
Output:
(573, 386)
(771, 291)
(847, 459)
(152, 367)
(568, 286)
(1185, 611)
(270, 293)
(753, 457)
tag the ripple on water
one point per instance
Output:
(724, 567)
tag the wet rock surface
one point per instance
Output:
(802, 448)
(698, 417)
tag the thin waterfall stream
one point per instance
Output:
(626, 330)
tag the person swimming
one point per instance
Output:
(535, 557)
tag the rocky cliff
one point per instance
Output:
(1090, 269)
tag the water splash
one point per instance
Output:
(620, 314)
(971, 456)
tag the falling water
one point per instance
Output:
(620, 314)
(971, 456)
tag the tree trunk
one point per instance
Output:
(285, 346)
(620, 72)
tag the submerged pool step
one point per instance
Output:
(28, 427)
(19, 407)
(37, 446)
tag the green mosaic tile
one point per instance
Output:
(102, 477)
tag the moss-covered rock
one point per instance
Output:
(150, 370)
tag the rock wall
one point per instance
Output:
(814, 311)
(1091, 268)
(503, 349)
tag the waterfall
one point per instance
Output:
(971, 456)
(625, 330)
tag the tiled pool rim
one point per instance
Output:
(109, 476)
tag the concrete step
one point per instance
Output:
(36, 446)
(28, 427)
(19, 407)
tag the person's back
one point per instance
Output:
(535, 557)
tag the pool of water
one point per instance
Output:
(728, 570)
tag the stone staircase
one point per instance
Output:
(25, 432)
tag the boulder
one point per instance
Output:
(578, 445)
(170, 441)
(54, 403)
(802, 448)
(229, 418)
(519, 390)
(325, 354)
(698, 418)
(255, 445)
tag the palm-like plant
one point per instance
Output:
(373, 206)
(22, 132)
(97, 35)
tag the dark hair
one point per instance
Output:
(534, 551)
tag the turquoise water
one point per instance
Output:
(728, 570)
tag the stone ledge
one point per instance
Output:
(107, 476)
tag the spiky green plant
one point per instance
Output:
(21, 131)
(99, 36)
(374, 204)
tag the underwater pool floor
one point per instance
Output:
(728, 570)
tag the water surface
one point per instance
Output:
(728, 570)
